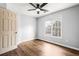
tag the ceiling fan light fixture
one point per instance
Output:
(37, 9)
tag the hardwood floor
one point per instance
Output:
(41, 48)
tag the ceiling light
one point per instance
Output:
(37, 9)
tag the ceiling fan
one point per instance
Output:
(38, 7)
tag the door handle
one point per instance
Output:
(16, 32)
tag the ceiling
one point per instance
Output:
(51, 7)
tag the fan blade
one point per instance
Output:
(37, 5)
(44, 10)
(43, 5)
(31, 9)
(32, 5)
(37, 12)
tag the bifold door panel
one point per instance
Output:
(7, 28)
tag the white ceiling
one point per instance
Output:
(51, 7)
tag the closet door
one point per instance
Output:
(1, 27)
(12, 28)
(8, 29)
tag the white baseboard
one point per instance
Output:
(63, 45)
(3, 50)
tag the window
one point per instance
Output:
(54, 27)
(48, 27)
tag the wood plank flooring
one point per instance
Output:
(41, 48)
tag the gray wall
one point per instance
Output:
(70, 27)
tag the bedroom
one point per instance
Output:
(47, 26)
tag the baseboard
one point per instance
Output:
(23, 41)
(4, 50)
(62, 45)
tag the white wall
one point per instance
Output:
(70, 22)
(27, 28)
